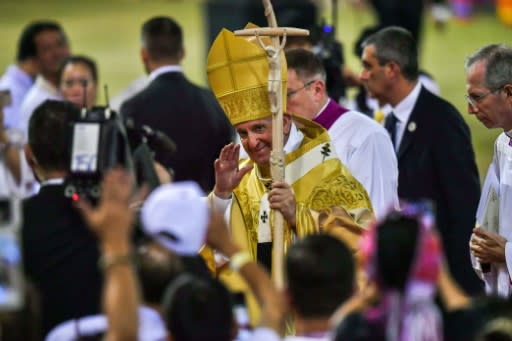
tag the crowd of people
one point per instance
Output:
(387, 233)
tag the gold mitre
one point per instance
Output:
(238, 75)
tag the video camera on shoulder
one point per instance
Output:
(11, 268)
(98, 142)
(330, 51)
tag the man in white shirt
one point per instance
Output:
(19, 77)
(361, 143)
(17, 80)
(489, 95)
(51, 48)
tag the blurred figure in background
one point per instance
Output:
(188, 114)
(402, 257)
(19, 77)
(78, 81)
(51, 47)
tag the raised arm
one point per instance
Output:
(112, 222)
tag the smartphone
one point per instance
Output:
(241, 315)
(11, 268)
(5, 98)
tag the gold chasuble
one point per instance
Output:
(319, 181)
(323, 187)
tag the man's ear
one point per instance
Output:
(181, 54)
(319, 88)
(508, 90)
(144, 55)
(288, 299)
(29, 156)
(287, 124)
(393, 69)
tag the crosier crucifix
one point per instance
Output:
(274, 52)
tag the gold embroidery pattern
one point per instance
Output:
(245, 201)
(342, 190)
(249, 104)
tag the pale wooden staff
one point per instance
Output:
(274, 52)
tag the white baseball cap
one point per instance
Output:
(177, 215)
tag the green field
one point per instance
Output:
(108, 30)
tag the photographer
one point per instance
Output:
(60, 253)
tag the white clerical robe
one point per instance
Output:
(498, 185)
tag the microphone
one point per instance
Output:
(156, 139)
(159, 139)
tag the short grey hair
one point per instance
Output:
(498, 61)
(396, 44)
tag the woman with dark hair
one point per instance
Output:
(402, 257)
(78, 77)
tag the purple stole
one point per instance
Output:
(331, 113)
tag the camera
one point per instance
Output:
(98, 142)
(11, 268)
(330, 51)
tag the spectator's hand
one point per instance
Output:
(163, 174)
(112, 219)
(364, 298)
(488, 247)
(350, 77)
(450, 293)
(227, 173)
(218, 237)
(282, 198)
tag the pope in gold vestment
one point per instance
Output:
(316, 183)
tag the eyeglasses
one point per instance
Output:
(293, 92)
(473, 100)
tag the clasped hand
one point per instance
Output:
(488, 247)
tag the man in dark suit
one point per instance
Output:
(60, 253)
(185, 112)
(433, 144)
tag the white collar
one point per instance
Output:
(294, 139)
(403, 110)
(164, 69)
(45, 85)
(323, 108)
